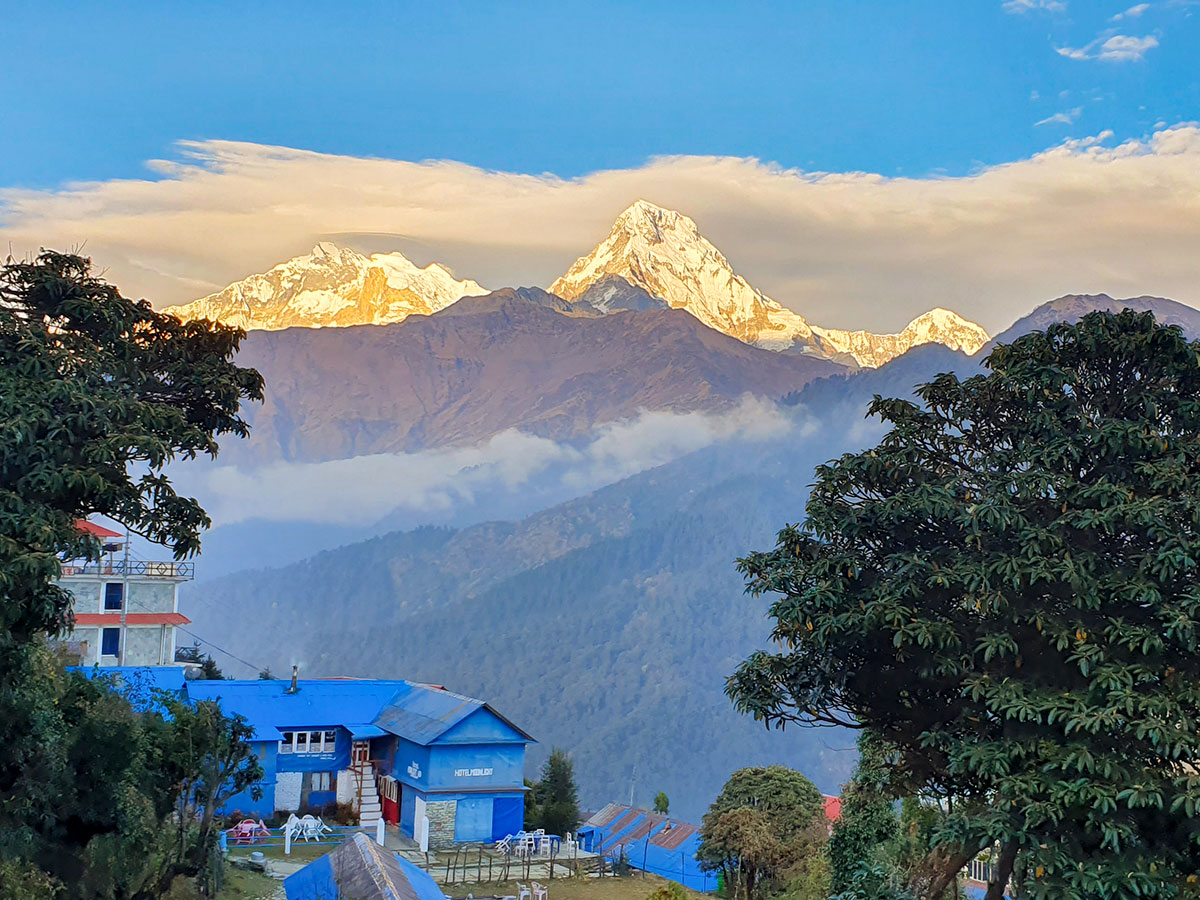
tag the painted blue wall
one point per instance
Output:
(481, 727)
(410, 754)
(265, 805)
(486, 817)
(450, 766)
(318, 762)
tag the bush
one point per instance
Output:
(668, 890)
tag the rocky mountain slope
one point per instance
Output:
(332, 286)
(511, 359)
(1073, 307)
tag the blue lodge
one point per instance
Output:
(409, 753)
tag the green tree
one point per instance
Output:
(764, 821)
(97, 394)
(209, 670)
(556, 799)
(662, 804)
(265, 675)
(868, 824)
(1005, 590)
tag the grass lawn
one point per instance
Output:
(241, 884)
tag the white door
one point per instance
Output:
(420, 825)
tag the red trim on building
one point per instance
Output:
(96, 530)
(114, 618)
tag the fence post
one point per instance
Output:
(287, 841)
(379, 831)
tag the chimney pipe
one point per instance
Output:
(293, 689)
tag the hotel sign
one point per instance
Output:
(473, 773)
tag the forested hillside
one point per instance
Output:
(606, 625)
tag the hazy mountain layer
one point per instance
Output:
(511, 359)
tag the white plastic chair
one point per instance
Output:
(540, 892)
(523, 892)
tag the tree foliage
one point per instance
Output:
(662, 803)
(868, 823)
(555, 796)
(765, 821)
(1005, 589)
(97, 394)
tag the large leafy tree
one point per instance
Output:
(1005, 589)
(97, 394)
(764, 822)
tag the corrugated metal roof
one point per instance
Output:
(367, 708)
(674, 837)
(422, 713)
(605, 816)
(269, 708)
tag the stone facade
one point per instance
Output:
(441, 815)
(147, 647)
(151, 596)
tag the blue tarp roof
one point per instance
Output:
(365, 871)
(421, 713)
(268, 707)
(138, 683)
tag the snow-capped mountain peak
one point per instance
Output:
(663, 252)
(939, 325)
(332, 286)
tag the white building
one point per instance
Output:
(126, 609)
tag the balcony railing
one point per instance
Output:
(134, 568)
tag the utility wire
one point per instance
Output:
(202, 640)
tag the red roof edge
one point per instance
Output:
(96, 530)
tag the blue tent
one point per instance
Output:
(361, 869)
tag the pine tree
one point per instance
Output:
(556, 798)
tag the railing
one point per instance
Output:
(135, 567)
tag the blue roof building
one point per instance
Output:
(407, 752)
(364, 871)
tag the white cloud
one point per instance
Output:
(1024, 6)
(846, 249)
(1061, 118)
(1124, 48)
(1117, 48)
(366, 488)
(1132, 13)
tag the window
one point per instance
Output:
(114, 596)
(308, 741)
(110, 642)
(321, 781)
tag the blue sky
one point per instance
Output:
(913, 88)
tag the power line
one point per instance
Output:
(207, 643)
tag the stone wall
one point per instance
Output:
(143, 646)
(86, 594)
(441, 815)
(151, 596)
